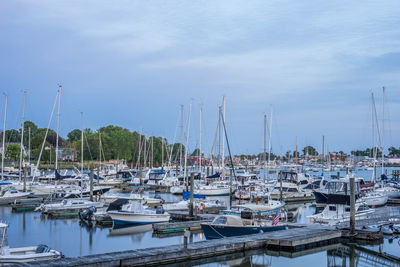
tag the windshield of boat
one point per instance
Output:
(221, 220)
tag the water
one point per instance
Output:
(73, 238)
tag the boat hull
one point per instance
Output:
(127, 218)
(212, 231)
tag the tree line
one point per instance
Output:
(107, 143)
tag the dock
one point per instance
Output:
(294, 239)
(165, 228)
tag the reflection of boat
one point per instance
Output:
(231, 225)
(120, 230)
(24, 254)
(137, 213)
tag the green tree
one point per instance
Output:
(74, 135)
(309, 150)
(12, 152)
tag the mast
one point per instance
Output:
(99, 152)
(296, 153)
(219, 136)
(181, 141)
(223, 140)
(81, 151)
(373, 140)
(58, 124)
(186, 145)
(162, 152)
(22, 138)
(265, 142)
(383, 131)
(29, 145)
(4, 137)
(269, 139)
(201, 116)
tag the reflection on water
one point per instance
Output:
(77, 239)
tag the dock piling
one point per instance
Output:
(191, 194)
(352, 206)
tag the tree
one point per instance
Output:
(394, 152)
(74, 135)
(12, 152)
(309, 150)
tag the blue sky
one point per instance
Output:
(132, 63)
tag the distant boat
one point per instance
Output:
(231, 225)
(24, 254)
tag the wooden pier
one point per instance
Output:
(296, 238)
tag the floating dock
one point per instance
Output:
(296, 238)
(166, 228)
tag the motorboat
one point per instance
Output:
(212, 190)
(334, 214)
(138, 213)
(269, 208)
(374, 199)
(10, 194)
(231, 225)
(72, 204)
(24, 254)
(290, 192)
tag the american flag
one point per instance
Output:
(275, 220)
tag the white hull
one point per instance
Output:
(213, 191)
(137, 218)
(27, 254)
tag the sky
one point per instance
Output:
(133, 63)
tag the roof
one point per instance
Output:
(230, 220)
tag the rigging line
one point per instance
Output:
(45, 136)
(87, 144)
(173, 141)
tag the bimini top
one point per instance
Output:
(231, 220)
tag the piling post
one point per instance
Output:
(212, 169)
(98, 176)
(191, 194)
(208, 171)
(352, 206)
(280, 186)
(176, 170)
(91, 182)
(338, 175)
(24, 179)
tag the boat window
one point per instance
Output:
(303, 182)
(292, 190)
(347, 209)
(221, 220)
(332, 208)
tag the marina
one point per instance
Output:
(207, 134)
